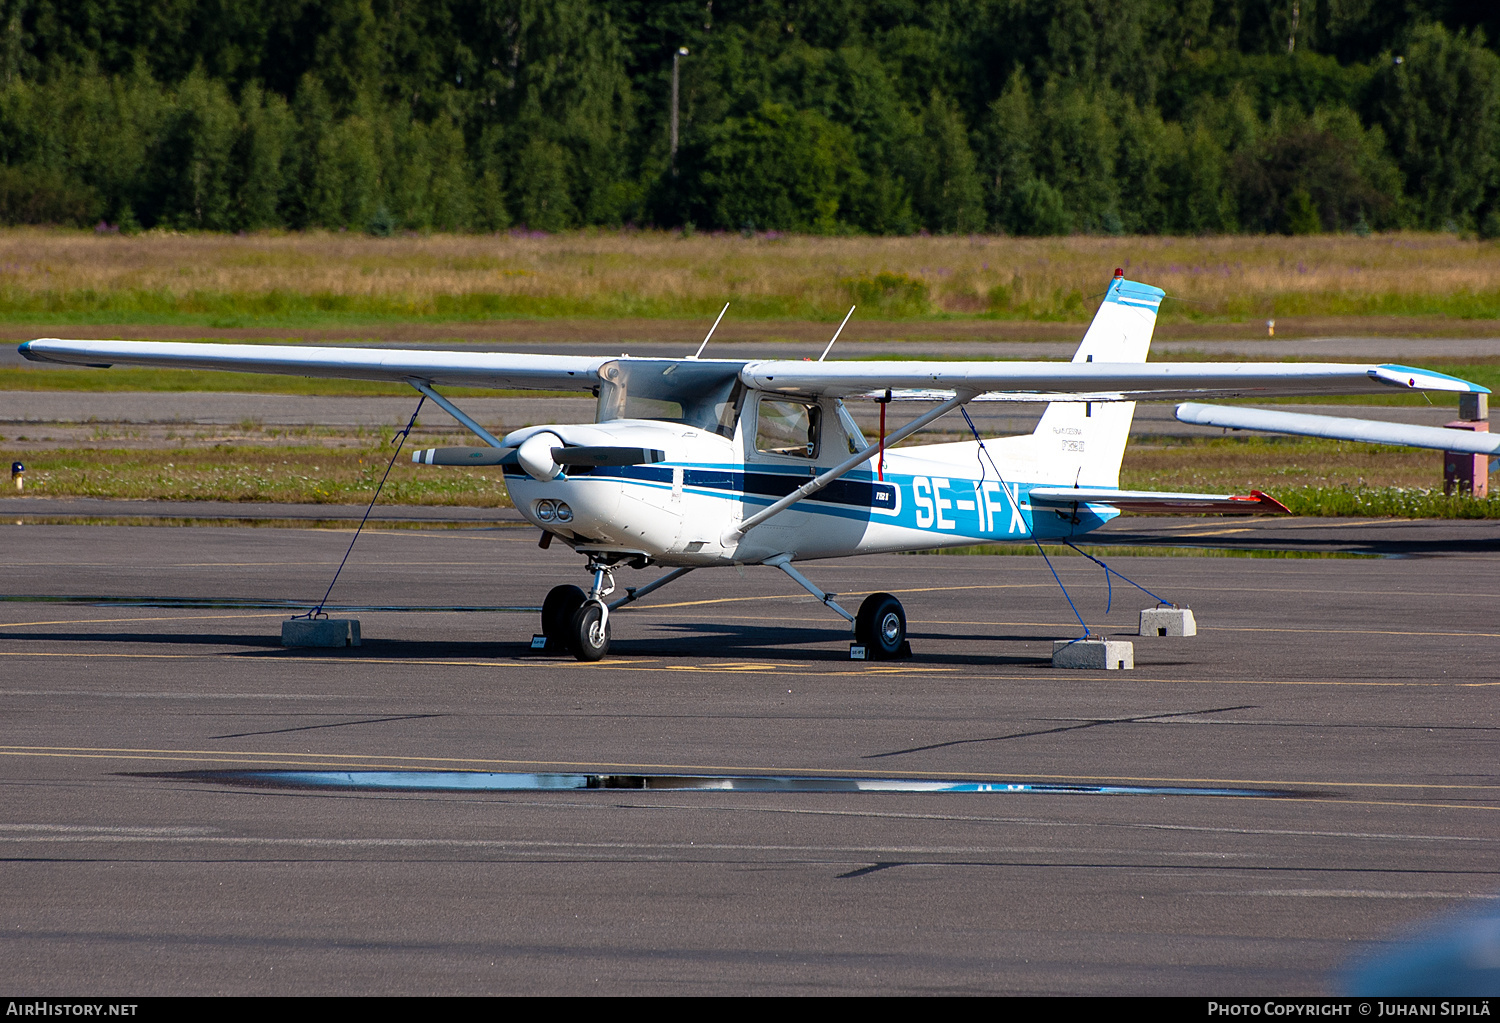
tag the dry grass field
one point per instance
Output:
(53, 275)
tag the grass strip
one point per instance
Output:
(285, 475)
(334, 525)
(1311, 477)
(1396, 502)
(1238, 463)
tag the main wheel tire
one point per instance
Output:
(588, 637)
(557, 614)
(880, 627)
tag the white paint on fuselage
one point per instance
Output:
(677, 521)
(675, 524)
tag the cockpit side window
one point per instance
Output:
(853, 436)
(787, 428)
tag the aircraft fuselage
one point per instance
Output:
(679, 511)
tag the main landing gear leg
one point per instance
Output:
(880, 626)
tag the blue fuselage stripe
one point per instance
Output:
(943, 505)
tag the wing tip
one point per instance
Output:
(1394, 371)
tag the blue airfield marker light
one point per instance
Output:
(18, 474)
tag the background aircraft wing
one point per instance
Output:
(1372, 431)
(1099, 381)
(466, 369)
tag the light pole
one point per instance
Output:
(682, 51)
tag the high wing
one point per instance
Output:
(464, 369)
(1099, 381)
(1372, 431)
(1039, 381)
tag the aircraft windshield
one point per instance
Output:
(706, 395)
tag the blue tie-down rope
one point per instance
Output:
(1041, 550)
(1110, 598)
(399, 440)
(1032, 531)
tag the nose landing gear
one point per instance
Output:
(588, 635)
(579, 622)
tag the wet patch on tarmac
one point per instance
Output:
(497, 781)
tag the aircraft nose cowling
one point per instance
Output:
(535, 455)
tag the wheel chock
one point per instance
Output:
(320, 632)
(1168, 621)
(1096, 654)
(538, 642)
(857, 652)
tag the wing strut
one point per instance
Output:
(456, 412)
(734, 533)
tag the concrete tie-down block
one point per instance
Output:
(1168, 621)
(1098, 654)
(331, 632)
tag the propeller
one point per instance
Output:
(607, 456)
(464, 456)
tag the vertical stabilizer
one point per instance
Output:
(1082, 443)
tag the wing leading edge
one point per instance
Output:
(1100, 381)
(464, 369)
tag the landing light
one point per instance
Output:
(564, 513)
(547, 511)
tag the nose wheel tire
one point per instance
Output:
(880, 627)
(557, 615)
(588, 636)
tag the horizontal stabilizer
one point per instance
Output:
(607, 456)
(1371, 431)
(1163, 502)
(464, 456)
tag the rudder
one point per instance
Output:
(1086, 440)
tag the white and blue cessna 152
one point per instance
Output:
(694, 463)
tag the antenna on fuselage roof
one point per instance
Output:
(836, 334)
(711, 331)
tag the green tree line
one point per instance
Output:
(881, 116)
